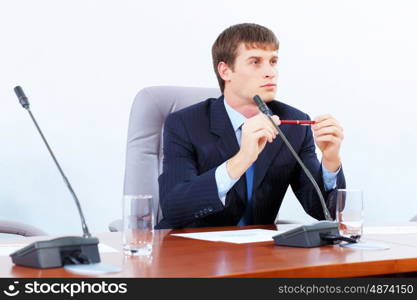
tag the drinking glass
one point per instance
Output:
(138, 224)
(349, 212)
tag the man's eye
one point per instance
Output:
(255, 62)
(274, 62)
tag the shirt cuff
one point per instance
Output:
(329, 178)
(223, 181)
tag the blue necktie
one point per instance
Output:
(247, 218)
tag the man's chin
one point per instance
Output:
(267, 96)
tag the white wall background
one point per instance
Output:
(82, 62)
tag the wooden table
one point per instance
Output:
(182, 257)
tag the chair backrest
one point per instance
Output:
(144, 152)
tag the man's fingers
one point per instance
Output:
(260, 123)
(322, 118)
(328, 138)
(263, 124)
(326, 120)
(276, 119)
(264, 133)
(271, 133)
(332, 130)
(269, 124)
(325, 123)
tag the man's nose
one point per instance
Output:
(270, 72)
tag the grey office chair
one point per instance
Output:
(12, 227)
(144, 139)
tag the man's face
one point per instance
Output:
(254, 73)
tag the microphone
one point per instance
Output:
(60, 251)
(319, 233)
(22, 97)
(265, 110)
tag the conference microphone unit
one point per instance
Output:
(319, 233)
(61, 251)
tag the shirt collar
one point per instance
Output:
(235, 117)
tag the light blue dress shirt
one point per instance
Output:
(223, 180)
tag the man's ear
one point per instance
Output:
(224, 71)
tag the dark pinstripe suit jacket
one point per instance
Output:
(199, 138)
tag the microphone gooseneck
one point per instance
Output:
(265, 110)
(25, 103)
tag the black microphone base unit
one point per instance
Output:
(307, 236)
(58, 252)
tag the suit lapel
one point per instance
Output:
(264, 160)
(221, 126)
(227, 144)
(270, 151)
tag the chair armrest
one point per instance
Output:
(11, 227)
(115, 226)
(283, 221)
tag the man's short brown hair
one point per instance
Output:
(252, 35)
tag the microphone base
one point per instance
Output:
(58, 252)
(308, 236)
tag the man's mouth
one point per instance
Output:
(270, 85)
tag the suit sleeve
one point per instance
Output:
(304, 189)
(185, 195)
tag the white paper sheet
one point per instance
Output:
(7, 249)
(237, 236)
(93, 269)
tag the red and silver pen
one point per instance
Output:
(298, 122)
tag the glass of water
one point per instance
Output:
(349, 212)
(138, 224)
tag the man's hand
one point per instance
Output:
(328, 135)
(256, 132)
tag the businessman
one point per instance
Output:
(224, 163)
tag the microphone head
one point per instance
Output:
(258, 100)
(262, 106)
(21, 96)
